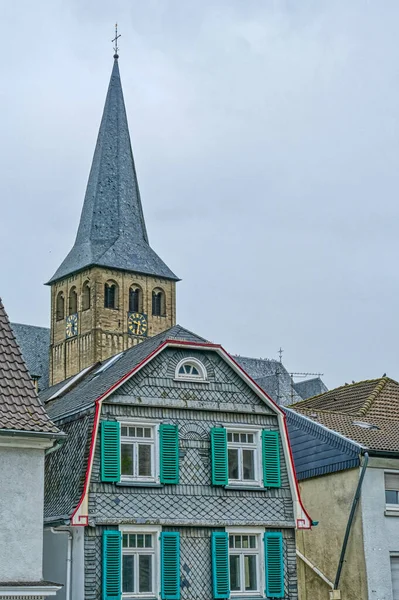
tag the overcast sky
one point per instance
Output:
(266, 140)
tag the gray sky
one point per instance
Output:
(266, 140)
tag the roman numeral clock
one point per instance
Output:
(137, 324)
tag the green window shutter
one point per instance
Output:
(170, 565)
(112, 548)
(274, 565)
(220, 564)
(169, 453)
(219, 456)
(271, 458)
(110, 451)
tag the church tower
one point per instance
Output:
(112, 290)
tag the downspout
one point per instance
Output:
(350, 520)
(69, 560)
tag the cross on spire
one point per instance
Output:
(116, 41)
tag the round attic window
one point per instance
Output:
(190, 369)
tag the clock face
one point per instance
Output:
(71, 326)
(137, 323)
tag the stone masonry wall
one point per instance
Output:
(102, 332)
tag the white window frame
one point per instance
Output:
(155, 478)
(259, 532)
(156, 532)
(257, 446)
(394, 508)
(202, 377)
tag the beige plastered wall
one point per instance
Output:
(328, 499)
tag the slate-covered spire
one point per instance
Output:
(112, 231)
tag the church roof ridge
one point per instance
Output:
(112, 231)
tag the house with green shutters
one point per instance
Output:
(176, 480)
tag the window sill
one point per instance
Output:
(181, 379)
(392, 512)
(251, 488)
(147, 484)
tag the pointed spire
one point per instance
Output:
(112, 231)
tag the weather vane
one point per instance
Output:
(116, 41)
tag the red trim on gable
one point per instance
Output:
(299, 525)
(83, 520)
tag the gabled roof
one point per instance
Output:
(94, 384)
(20, 407)
(112, 231)
(366, 412)
(34, 343)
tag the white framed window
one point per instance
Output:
(244, 456)
(394, 558)
(139, 452)
(140, 561)
(191, 369)
(246, 560)
(392, 489)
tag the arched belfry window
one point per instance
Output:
(86, 298)
(192, 369)
(111, 295)
(135, 299)
(60, 306)
(73, 301)
(158, 303)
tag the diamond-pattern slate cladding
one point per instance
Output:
(157, 381)
(195, 563)
(65, 469)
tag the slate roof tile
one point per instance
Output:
(94, 384)
(112, 230)
(20, 407)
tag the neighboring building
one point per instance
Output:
(26, 433)
(336, 438)
(177, 466)
(272, 377)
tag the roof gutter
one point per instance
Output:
(36, 434)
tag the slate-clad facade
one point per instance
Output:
(181, 507)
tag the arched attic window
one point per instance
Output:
(60, 306)
(73, 301)
(111, 295)
(135, 299)
(191, 369)
(86, 299)
(158, 303)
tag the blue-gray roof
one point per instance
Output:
(34, 343)
(272, 377)
(112, 231)
(318, 450)
(310, 387)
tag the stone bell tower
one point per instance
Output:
(112, 290)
